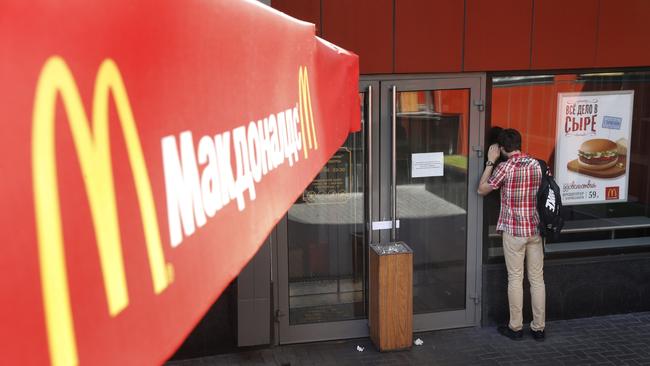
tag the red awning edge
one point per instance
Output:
(153, 148)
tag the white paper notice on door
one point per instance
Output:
(427, 165)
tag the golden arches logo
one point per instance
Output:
(93, 151)
(611, 193)
(306, 113)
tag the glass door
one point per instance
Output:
(428, 181)
(322, 245)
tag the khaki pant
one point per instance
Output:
(515, 249)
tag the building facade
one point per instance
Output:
(437, 78)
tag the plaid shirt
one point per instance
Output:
(519, 180)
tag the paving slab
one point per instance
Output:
(622, 339)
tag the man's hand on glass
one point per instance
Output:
(493, 153)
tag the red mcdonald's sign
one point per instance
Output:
(148, 150)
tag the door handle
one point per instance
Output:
(479, 151)
(394, 167)
(370, 185)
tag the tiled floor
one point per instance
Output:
(437, 288)
(325, 300)
(609, 340)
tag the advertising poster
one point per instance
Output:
(591, 152)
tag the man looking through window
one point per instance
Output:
(518, 178)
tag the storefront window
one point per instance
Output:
(593, 129)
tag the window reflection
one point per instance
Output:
(433, 210)
(326, 240)
(529, 104)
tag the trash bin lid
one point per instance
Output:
(398, 247)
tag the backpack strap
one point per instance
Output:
(543, 166)
(540, 225)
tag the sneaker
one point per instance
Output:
(538, 335)
(514, 335)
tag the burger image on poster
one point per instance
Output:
(598, 154)
(602, 158)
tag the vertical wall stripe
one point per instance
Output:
(532, 30)
(394, 36)
(463, 44)
(595, 62)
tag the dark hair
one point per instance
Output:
(510, 139)
(494, 133)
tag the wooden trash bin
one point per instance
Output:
(391, 296)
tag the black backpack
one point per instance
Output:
(549, 205)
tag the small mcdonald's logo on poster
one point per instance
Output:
(611, 193)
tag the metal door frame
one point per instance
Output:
(287, 333)
(471, 316)
(379, 186)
